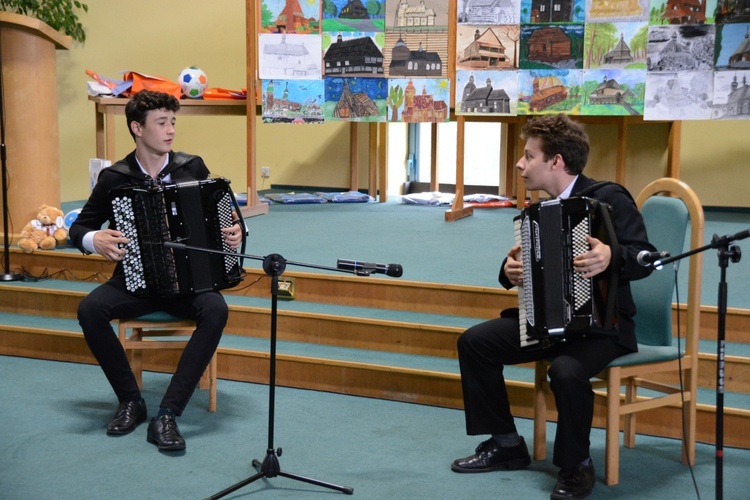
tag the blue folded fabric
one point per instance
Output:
(347, 197)
(295, 198)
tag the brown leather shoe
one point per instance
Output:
(127, 417)
(491, 456)
(577, 482)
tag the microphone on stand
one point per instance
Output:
(366, 268)
(646, 258)
(174, 244)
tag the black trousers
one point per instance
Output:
(483, 351)
(110, 301)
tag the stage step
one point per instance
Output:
(363, 372)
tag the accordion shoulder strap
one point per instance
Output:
(179, 159)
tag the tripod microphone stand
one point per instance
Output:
(726, 253)
(274, 266)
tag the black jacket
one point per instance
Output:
(632, 238)
(127, 173)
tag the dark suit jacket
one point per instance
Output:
(632, 238)
(126, 173)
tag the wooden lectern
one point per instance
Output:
(27, 51)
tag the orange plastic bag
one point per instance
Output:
(149, 82)
(222, 93)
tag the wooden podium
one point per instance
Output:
(28, 64)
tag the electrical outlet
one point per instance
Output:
(265, 172)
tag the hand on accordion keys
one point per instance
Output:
(110, 244)
(233, 233)
(595, 261)
(513, 266)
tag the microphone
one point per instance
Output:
(365, 268)
(646, 258)
(174, 245)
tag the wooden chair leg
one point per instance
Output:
(540, 411)
(612, 451)
(631, 393)
(212, 375)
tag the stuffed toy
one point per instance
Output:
(45, 232)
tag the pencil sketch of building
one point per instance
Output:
(484, 99)
(738, 101)
(289, 60)
(488, 12)
(681, 53)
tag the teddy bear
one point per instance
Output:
(45, 232)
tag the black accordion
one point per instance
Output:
(556, 302)
(192, 213)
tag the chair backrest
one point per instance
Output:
(667, 220)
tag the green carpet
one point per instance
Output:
(53, 446)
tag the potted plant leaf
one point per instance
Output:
(61, 15)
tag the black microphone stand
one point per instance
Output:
(274, 266)
(726, 253)
(7, 275)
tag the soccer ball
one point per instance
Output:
(193, 82)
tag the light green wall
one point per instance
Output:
(161, 38)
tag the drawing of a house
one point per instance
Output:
(487, 12)
(547, 90)
(292, 18)
(485, 52)
(549, 45)
(675, 56)
(738, 100)
(406, 62)
(354, 105)
(551, 11)
(620, 54)
(354, 56)
(289, 59)
(408, 16)
(610, 92)
(740, 59)
(615, 8)
(354, 9)
(484, 99)
(422, 108)
(685, 12)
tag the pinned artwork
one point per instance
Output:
(355, 99)
(414, 101)
(293, 101)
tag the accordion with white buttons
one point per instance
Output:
(555, 301)
(192, 213)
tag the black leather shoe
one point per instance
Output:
(491, 456)
(127, 417)
(163, 432)
(577, 482)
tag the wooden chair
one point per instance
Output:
(667, 219)
(159, 331)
